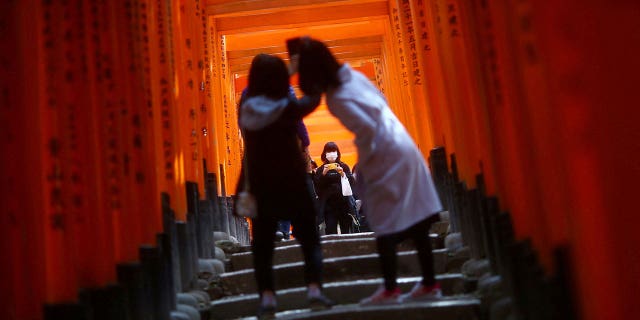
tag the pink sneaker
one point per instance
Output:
(382, 296)
(421, 292)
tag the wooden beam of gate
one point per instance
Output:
(281, 49)
(362, 47)
(242, 65)
(231, 7)
(339, 31)
(272, 20)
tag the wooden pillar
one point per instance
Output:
(592, 115)
(159, 60)
(205, 101)
(141, 211)
(228, 133)
(433, 77)
(186, 94)
(56, 153)
(92, 77)
(194, 81)
(26, 158)
(494, 87)
(118, 202)
(403, 103)
(415, 68)
(515, 128)
(456, 43)
(218, 112)
(207, 120)
(442, 41)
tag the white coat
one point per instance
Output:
(393, 180)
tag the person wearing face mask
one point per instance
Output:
(334, 205)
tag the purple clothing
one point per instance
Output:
(301, 130)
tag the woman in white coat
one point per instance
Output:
(393, 179)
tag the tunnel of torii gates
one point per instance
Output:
(108, 104)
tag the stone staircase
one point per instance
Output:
(196, 274)
(351, 272)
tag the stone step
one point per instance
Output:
(331, 237)
(348, 236)
(346, 292)
(290, 275)
(331, 248)
(447, 309)
(360, 235)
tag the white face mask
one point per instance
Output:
(332, 156)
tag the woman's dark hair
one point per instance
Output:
(329, 147)
(268, 76)
(293, 46)
(317, 67)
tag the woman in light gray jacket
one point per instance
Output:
(393, 179)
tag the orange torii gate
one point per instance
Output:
(108, 104)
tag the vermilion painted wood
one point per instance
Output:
(303, 15)
(151, 163)
(90, 233)
(205, 117)
(116, 116)
(141, 176)
(479, 127)
(208, 115)
(418, 109)
(441, 38)
(516, 148)
(401, 83)
(231, 142)
(429, 49)
(57, 155)
(536, 144)
(163, 89)
(23, 162)
(191, 71)
(8, 224)
(462, 87)
(196, 34)
(591, 74)
(218, 142)
(184, 99)
(492, 63)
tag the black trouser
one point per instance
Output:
(388, 258)
(337, 212)
(284, 226)
(304, 229)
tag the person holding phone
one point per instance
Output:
(335, 206)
